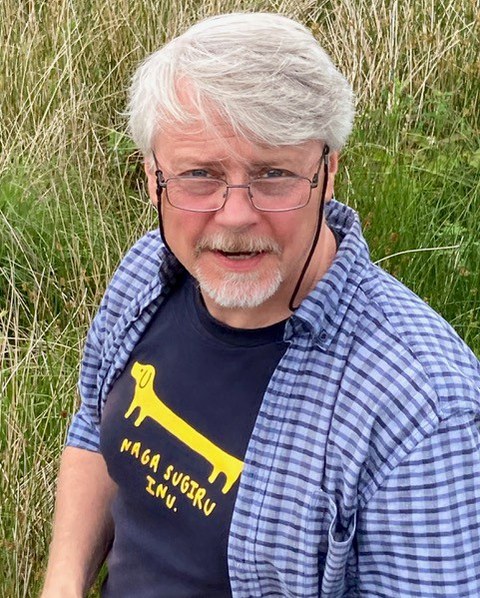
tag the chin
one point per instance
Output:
(234, 290)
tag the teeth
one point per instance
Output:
(239, 256)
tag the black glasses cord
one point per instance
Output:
(316, 236)
(160, 219)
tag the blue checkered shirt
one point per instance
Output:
(362, 474)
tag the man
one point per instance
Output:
(264, 412)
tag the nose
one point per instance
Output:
(238, 212)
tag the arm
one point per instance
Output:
(419, 535)
(83, 528)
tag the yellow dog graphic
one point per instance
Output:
(150, 405)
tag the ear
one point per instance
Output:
(332, 171)
(149, 166)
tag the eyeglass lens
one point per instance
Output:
(202, 194)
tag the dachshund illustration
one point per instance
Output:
(150, 405)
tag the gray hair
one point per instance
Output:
(263, 74)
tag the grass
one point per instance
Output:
(72, 198)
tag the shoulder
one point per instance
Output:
(136, 282)
(392, 327)
(146, 269)
(138, 268)
(407, 326)
(406, 375)
(393, 372)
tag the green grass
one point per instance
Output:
(72, 196)
(419, 197)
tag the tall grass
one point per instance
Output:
(72, 197)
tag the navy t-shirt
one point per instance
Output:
(174, 434)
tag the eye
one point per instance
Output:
(273, 173)
(197, 172)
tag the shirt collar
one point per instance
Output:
(322, 311)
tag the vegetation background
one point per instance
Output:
(72, 197)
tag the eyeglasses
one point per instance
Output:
(205, 194)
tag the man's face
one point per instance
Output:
(242, 258)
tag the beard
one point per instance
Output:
(237, 290)
(242, 290)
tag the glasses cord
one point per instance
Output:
(160, 218)
(291, 307)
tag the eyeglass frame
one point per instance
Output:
(162, 184)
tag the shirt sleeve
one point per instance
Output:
(419, 534)
(84, 431)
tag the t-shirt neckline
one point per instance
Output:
(222, 332)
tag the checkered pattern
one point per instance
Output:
(362, 475)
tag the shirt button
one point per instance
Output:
(323, 336)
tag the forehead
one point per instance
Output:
(209, 137)
(220, 144)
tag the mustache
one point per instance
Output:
(236, 244)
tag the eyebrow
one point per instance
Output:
(252, 166)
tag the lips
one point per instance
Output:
(239, 255)
(237, 261)
(237, 246)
